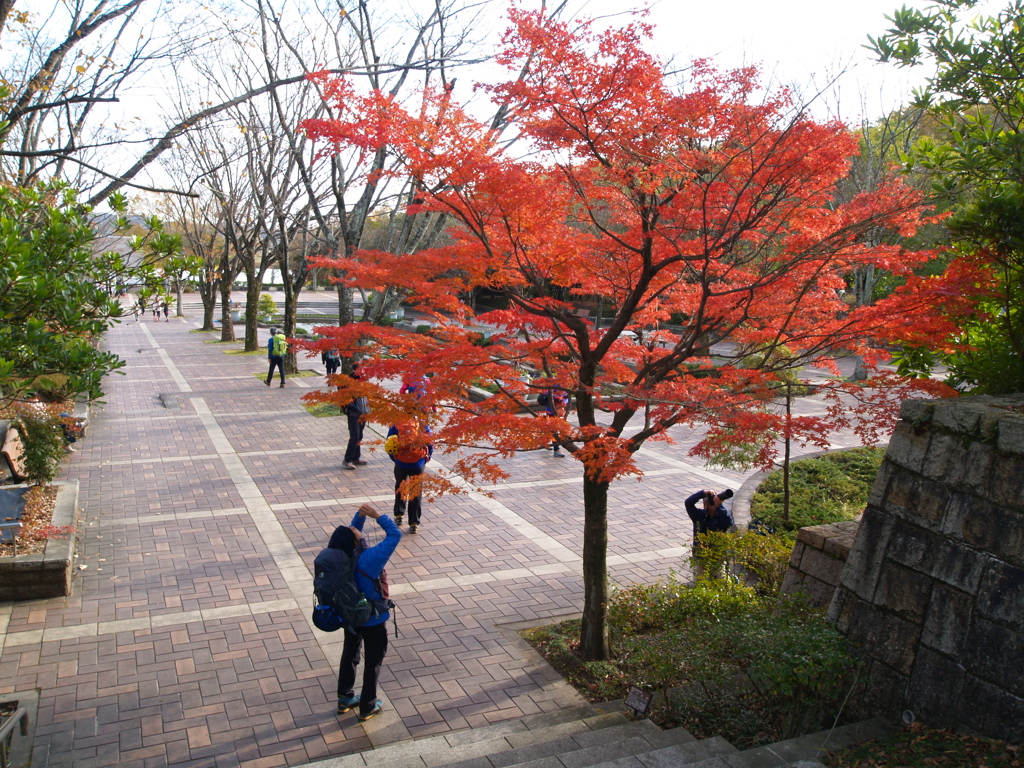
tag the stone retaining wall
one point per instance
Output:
(933, 590)
(818, 558)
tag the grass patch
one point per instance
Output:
(221, 341)
(322, 410)
(727, 661)
(205, 330)
(244, 352)
(825, 489)
(916, 746)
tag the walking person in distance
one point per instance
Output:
(277, 346)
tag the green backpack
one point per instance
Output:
(280, 345)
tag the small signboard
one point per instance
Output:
(639, 701)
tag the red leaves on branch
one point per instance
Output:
(700, 223)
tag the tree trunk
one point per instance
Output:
(227, 327)
(208, 294)
(254, 284)
(594, 632)
(178, 291)
(346, 309)
(785, 460)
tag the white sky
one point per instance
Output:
(797, 42)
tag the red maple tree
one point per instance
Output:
(685, 217)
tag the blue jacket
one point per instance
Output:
(372, 561)
(405, 464)
(702, 522)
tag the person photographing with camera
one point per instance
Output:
(712, 515)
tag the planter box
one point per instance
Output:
(48, 574)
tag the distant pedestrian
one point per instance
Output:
(135, 311)
(331, 359)
(167, 312)
(277, 346)
(356, 412)
(409, 448)
(156, 311)
(556, 405)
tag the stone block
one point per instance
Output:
(966, 416)
(882, 694)
(947, 621)
(994, 651)
(919, 411)
(1011, 435)
(812, 536)
(1006, 483)
(1000, 595)
(991, 711)
(939, 557)
(934, 689)
(841, 538)
(797, 554)
(863, 566)
(884, 637)
(989, 529)
(908, 446)
(819, 593)
(822, 567)
(876, 496)
(977, 467)
(917, 499)
(841, 609)
(905, 592)
(944, 461)
(792, 581)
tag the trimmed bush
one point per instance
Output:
(825, 489)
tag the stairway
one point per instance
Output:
(585, 738)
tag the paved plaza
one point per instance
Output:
(205, 495)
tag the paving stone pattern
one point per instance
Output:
(187, 642)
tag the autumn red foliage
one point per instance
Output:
(699, 222)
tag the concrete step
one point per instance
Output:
(808, 749)
(715, 752)
(478, 742)
(579, 749)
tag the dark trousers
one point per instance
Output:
(355, 435)
(414, 503)
(279, 362)
(375, 640)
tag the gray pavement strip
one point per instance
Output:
(143, 623)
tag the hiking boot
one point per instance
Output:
(349, 465)
(282, 384)
(360, 462)
(345, 703)
(267, 382)
(398, 520)
(413, 527)
(378, 705)
(558, 454)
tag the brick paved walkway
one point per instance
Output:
(204, 497)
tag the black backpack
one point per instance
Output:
(337, 599)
